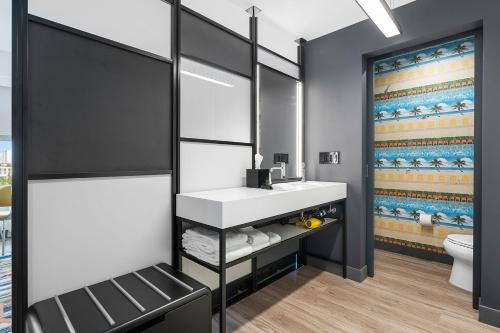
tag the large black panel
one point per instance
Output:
(202, 40)
(94, 107)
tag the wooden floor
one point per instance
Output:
(406, 295)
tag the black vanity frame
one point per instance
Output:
(302, 254)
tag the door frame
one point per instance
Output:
(369, 141)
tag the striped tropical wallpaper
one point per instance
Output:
(424, 144)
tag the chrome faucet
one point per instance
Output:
(282, 169)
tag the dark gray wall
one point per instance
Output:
(335, 98)
(278, 118)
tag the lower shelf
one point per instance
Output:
(287, 232)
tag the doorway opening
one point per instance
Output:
(423, 155)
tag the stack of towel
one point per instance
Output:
(259, 240)
(204, 244)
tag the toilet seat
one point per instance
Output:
(466, 241)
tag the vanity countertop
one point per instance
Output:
(226, 208)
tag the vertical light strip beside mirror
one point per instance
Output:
(257, 118)
(299, 129)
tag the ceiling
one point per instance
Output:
(311, 19)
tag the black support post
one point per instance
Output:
(19, 179)
(175, 49)
(254, 101)
(222, 280)
(301, 57)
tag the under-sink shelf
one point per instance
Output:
(290, 231)
(287, 232)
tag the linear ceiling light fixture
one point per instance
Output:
(201, 77)
(381, 15)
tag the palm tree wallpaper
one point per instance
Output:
(423, 111)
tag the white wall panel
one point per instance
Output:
(278, 63)
(215, 104)
(82, 231)
(143, 24)
(276, 38)
(205, 166)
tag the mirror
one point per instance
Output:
(279, 125)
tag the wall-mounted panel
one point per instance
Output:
(94, 107)
(206, 166)
(82, 231)
(223, 12)
(215, 104)
(205, 41)
(144, 24)
(267, 58)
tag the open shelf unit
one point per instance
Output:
(288, 232)
(278, 224)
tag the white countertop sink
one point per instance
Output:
(226, 208)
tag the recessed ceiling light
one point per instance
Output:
(381, 15)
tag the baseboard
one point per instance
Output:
(324, 265)
(412, 252)
(357, 274)
(489, 315)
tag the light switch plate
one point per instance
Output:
(331, 157)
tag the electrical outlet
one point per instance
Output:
(331, 157)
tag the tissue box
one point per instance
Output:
(257, 177)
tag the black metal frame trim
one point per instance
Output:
(96, 38)
(175, 51)
(98, 174)
(253, 24)
(218, 142)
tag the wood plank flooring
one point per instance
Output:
(406, 295)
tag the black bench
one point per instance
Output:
(155, 299)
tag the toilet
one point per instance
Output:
(461, 248)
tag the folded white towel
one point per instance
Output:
(258, 247)
(233, 253)
(255, 236)
(208, 241)
(273, 237)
